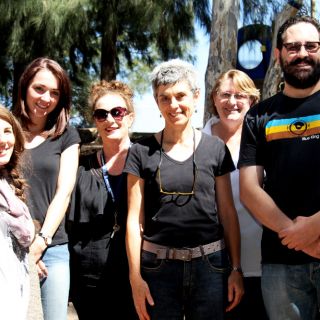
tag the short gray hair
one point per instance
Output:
(173, 71)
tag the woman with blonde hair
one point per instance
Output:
(232, 95)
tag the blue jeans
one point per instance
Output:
(55, 288)
(291, 292)
(196, 289)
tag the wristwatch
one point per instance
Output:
(238, 269)
(47, 239)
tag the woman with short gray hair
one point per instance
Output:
(182, 226)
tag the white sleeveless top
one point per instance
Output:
(250, 229)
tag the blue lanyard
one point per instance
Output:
(105, 175)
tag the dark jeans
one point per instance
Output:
(196, 289)
(104, 302)
(251, 306)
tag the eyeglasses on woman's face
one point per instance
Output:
(117, 113)
(226, 96)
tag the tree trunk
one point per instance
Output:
(313, 8)
(223, 45)
(272, 79)
(109, 54)
(18, 68)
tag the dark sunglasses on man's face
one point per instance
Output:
(117, 113)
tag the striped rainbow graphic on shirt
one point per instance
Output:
(293, 127)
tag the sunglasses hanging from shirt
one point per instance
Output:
(195, 170)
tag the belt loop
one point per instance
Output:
(167, 253)
(173, 250)
(202, 252)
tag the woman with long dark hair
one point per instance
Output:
(50, 166)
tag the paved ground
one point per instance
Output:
(72, 314)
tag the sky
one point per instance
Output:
(147, 115)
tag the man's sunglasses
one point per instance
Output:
(117, 113)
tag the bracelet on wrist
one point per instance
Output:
(47, 239)
(237, 269)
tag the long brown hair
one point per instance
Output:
(12, 168)
(59, 117)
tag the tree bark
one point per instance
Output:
(313, 8)
(18, 68)
(223, 45)
(109, 55)
(273, 79)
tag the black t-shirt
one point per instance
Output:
(91, 221)
(41, 170)
(180, 220)
(99, 265)
(282, 134)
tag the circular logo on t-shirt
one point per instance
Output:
(298, 127)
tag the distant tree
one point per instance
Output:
(96, 39)
(273, 75)
(223, 44)
(223, 40)
(313, 8)
(35, 28)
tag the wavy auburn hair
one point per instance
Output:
(102, 88)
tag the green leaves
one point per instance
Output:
(95, 39)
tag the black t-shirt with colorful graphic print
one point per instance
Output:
(282, 134)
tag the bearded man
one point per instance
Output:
(280, 175)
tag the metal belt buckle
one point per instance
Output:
(186, 254)
(171, 253)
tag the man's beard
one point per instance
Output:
(301, 79)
